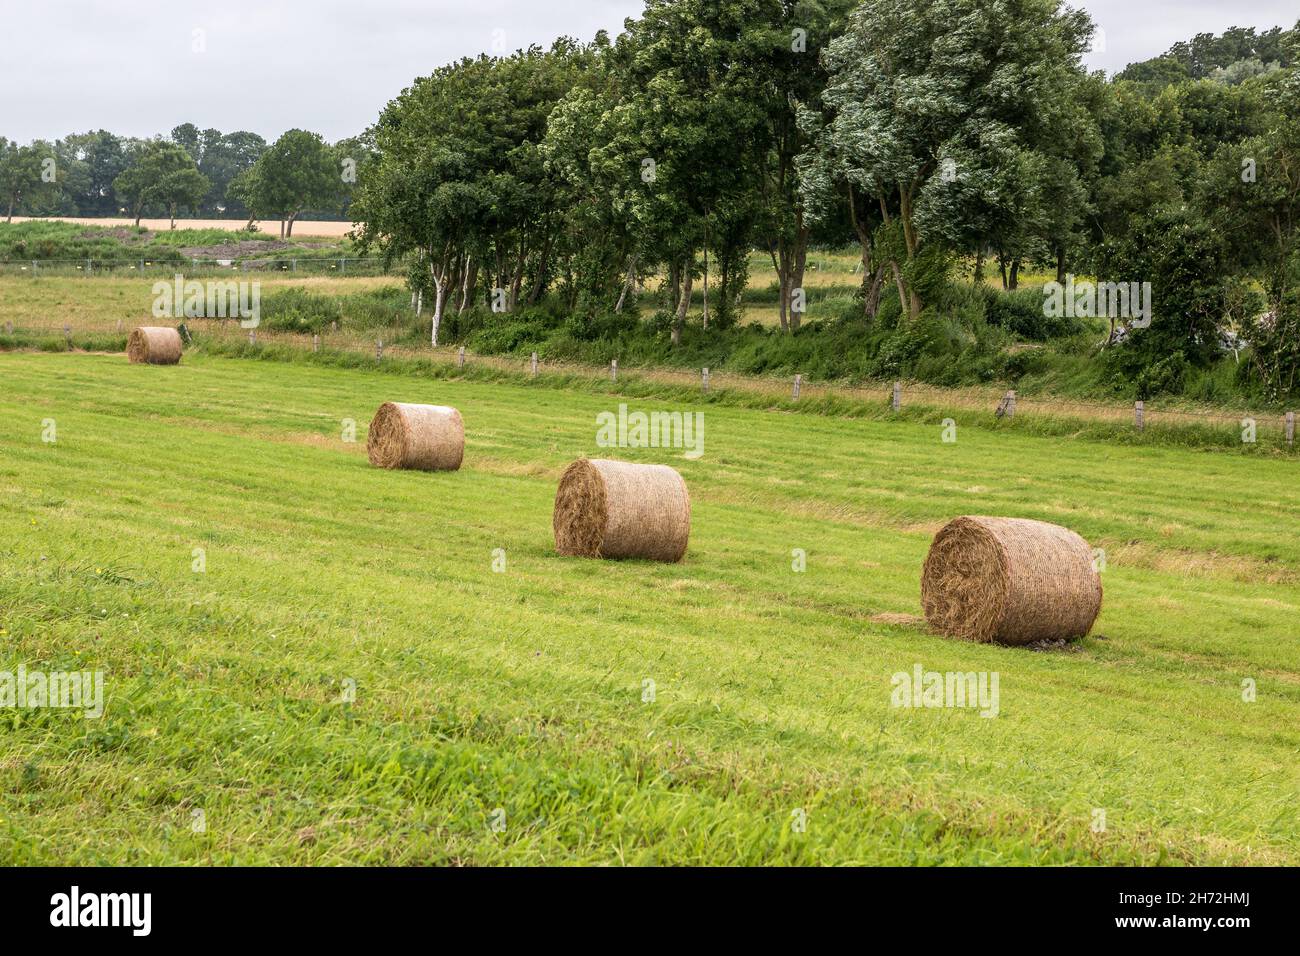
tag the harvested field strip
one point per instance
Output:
(523, 689)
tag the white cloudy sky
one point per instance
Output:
(329, 65)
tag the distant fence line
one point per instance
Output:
(318, 265)
(1002, 404)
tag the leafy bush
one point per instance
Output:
(587, 327)
(383, 307)
(1021, 313)
(297, 310)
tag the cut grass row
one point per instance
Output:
(523, 690)
(1206, 428)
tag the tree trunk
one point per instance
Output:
(872, 304)
(440, 295)
(706, 281)
(905, 215)
(172, 210)
(543, 265)
(867, 271)
(777, 253)
(907, 297)
(1015, 274)
(628, 283)
(467, 288)
(684, 302)
(289, 234)
(517, 278)
(1060, 264)
(873, 278)
(979, 266)
(898, 283)
(456, 279)
(11, 210)
(798, 264)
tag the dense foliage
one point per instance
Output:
(536, 194)
(543, 199)
(199, 173)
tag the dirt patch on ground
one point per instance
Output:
(897, 620)
(233, 250)
(121, 234)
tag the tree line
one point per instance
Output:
(191, 172)
(945, 140)
(936, 135)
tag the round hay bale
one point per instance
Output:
(1010, 580)
(423, 437)
(154, 345)
(615, 509)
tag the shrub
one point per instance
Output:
(297, 310)
(1021, 313)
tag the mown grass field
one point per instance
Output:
(523, 690)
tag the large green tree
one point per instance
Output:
(298, 172)
(688, 120)
(28, 175)
(779, 66)
(162, 174)
(1251, 193)
(925, 92)
(102, 157)
(460, 182)
(220, 157)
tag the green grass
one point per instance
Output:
(67, 240)
(522, 690)
(66, 245)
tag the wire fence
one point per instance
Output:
(307, 265)
(386, 344)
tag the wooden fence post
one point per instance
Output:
(1140, 415)
(252, 336)
(460, 357)
(67, 334)
(1290, 428)
(613, 370)
(534, 365)
(898, 396)
(315, 343)
(379, 350)
(704, 380)
(798, 380)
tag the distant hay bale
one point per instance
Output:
(423, 437)
(615, 509)
(154, 345)
(1009, 580)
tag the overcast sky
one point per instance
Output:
(141, 67)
